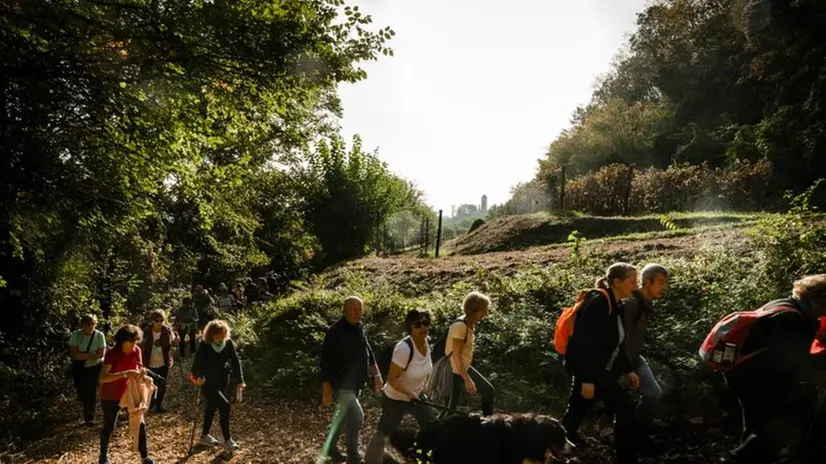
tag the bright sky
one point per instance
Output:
(477, 89)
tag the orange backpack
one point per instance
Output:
(565, 324)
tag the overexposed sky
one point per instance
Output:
(477, 89)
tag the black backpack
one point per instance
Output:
(438, 351)
(386, 356)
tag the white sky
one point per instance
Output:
(477, 89)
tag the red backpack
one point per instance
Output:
(721, 349)
(564, 329)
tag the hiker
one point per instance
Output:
(407, 378)
(121, 363)
(238, 293)
(637, 312)
(204, 304)
(768, 384)
(596, 359)
(156, 349)
(251, 291)
(86, 348)
(226, 300)
(346, 358)
(186, 319)
(209, 371)
(459, 347)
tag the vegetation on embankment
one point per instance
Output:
(526, 231)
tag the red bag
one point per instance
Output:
(565, 324)
(722, 348)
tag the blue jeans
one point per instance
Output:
(348, 418)
(651, 392)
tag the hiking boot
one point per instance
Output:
(148, 460)
(230, 445)
(103, 461)
(89, 423)
(161, 410)
(207, 440)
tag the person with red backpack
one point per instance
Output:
(765, 358)
(591, 337)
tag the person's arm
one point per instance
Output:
(100, 351)
(592, 324)
(106, 377)
(173, 336)
(374, 367)
(74, 351)
(235, 362)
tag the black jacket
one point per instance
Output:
(636, 312)
(217, 367)
(596, 336)
(346, 356)
(788, 336)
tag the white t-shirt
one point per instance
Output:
(414, 379)
(458, 330)
(156, 358)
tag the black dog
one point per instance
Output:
(499, 439)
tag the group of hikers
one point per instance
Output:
(767, 357)
(118, 373)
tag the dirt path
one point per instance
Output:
(273, 431)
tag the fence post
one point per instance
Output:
(562, 190)
(439, 234)
(426, 234)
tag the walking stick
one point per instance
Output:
(194, 421)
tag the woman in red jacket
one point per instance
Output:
(121, 363)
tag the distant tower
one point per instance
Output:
(484, 203)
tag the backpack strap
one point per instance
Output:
(409, 342)
(91, 339)
(604, 291)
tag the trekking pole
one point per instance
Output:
(194, 421)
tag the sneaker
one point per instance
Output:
(103, 461)
(207, 440)
(89, 423)
(230, 445)
(149, 461)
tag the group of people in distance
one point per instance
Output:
(775, 368)
(605, 362)
(136, 353)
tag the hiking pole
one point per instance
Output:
(195, 421)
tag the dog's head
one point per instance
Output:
(543, 438)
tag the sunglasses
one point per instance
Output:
(158, 321)
(420, 324)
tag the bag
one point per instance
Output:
(78, 366)
(386, 357)
(564, 329)
(439, 348)
(722, 348)
(440, 383)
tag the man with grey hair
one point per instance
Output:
(346, 358)
(637, 314)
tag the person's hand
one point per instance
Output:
(242, 386)
(131, 374)
(379, 383)
(634, 379)
(327, 397)
(197, 381)
(470, 386)
(587, 391)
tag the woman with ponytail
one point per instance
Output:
(209, 371)
(596, 359)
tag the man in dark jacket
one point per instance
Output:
(769, 385)
(345, 360)
(637, 312)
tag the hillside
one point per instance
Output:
(413, 274)
(525, 231)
